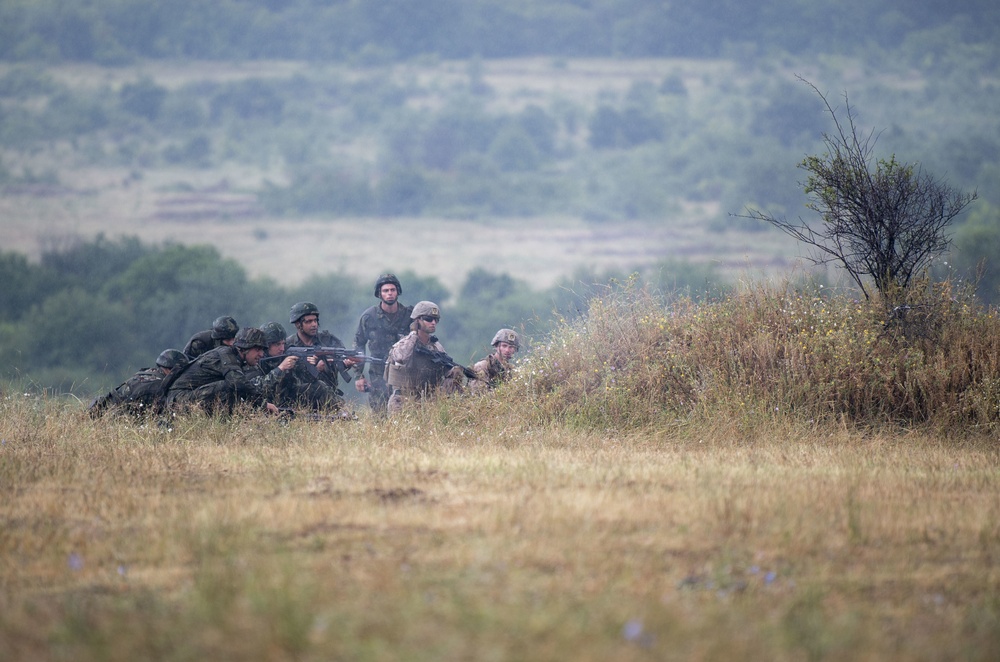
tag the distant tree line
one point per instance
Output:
(118, 31)
(90, 313)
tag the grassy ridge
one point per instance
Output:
(773, 352)
(662, 508)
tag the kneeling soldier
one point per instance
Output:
(496, 368)
(142, 394)
(220, 379)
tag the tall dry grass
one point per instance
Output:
(527, 524)
(772, 352)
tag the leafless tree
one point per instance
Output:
(882, 220)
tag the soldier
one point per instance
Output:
(223, 332)
(319, 389)
(274, 373)
(496, 368)
(142, 394)
(218, 380)
(417, 366)
(380, 327)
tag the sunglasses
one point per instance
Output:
(429, 318)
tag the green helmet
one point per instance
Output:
(387, 279)
(172, 358)
(425, 308)
(250, 337)
(224, 328)
(508, 336)
(273, 332)
(300, 310)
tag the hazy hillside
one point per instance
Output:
(118, 31)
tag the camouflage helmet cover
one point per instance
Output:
(273, 332)
(300, 310)
(224, 328)
(172, 358)
(250, 337)
(508, 336)
(386, 279)
(423, 308)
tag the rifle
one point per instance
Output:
(334, 355)
(442, 359)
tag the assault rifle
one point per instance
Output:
(444, 360)
(332, 355)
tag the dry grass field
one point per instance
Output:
(437, 538)
(766, 476)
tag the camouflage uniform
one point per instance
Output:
(223, 328)
(277, 385)
(413, 375)
(492, 372)
(140, 395)
(217, 381)
(318, 392)
(379, 331)
(495, 369)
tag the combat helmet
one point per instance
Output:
(387, 279)
(273, 332)
(300, 310)
(508, 336)
(172, 358)
(423, 308)
(224, 328)
(250, 337)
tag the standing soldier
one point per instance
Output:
(223, 332)
(497, 367)
(380, 327)
(417, 366)
(320, 389)
(142, 394)
(221, 378)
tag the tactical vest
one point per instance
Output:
(419, 374)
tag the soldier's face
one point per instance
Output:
(428, 324)
(309, 325)
(276, 348)
(253, 355)
(506, 350)
(388, 293)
